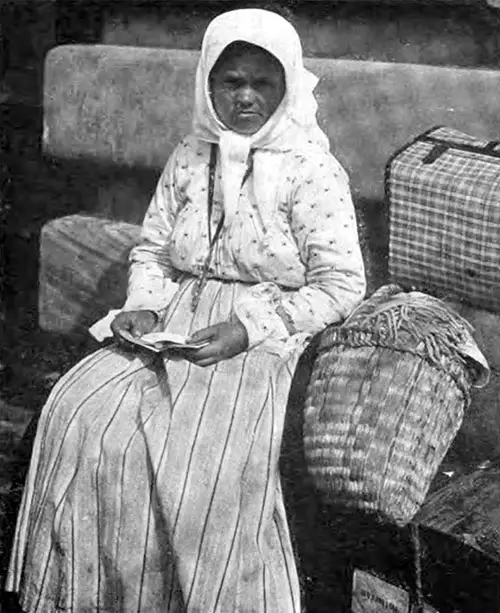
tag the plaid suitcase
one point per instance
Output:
(443, 191)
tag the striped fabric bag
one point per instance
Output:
(443, 191)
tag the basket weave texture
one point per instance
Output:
(386, 397)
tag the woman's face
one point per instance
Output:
(247, 85)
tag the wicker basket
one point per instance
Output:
(386, 397)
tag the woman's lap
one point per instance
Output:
(152, 472)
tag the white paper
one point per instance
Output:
(161, 341)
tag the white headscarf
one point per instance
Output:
(293, 125)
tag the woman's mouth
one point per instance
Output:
(245, 113)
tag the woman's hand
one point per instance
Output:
(135, 323)
(225, 340)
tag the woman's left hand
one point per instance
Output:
(225, 340)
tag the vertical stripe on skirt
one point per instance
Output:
(154, 483)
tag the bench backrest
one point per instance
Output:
(130, 106)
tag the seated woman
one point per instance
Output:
(154, 483)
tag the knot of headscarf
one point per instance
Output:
(293, 125)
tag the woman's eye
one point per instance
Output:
(232, 82)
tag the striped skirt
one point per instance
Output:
(154, 484)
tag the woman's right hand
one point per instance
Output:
(135, 323)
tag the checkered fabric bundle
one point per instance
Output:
(386, 397)
(443, 191)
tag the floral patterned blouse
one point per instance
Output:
(294, 238)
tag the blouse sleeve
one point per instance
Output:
(150, 281)
(324, 226)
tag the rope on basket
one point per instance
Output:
(413, 323)
(422, 319)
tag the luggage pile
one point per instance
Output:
(390, 386)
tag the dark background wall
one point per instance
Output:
(429, 33)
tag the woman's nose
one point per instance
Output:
(246, 96)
